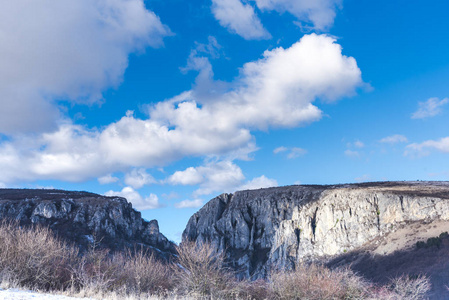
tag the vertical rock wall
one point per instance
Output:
(279, 227)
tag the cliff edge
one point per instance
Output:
(352, 224)
(84, 218)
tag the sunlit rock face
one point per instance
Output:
(85, 219)
(280, 227)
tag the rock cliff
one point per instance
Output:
(84, 218)
(280, 227)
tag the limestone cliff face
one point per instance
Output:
(84, 218)
(282, 226)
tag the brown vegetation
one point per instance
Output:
(33, 258)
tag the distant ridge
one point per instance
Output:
(84, 218)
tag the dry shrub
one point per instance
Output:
(98, 273)
(142, 273)
(95, 272)
(317, 282)
(201, 272)
(410, 288)
(258, 289)
(33, 257)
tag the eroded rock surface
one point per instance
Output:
(280, 227)
(85, 218)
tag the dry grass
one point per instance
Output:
(142, 273)
(410, 288)
(33, 258)
(317, 282)
(132, 274)
(94, 273)
(201, 271)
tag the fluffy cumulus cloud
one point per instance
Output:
(107, 179)
(66, 50)
(239, 18)
(278, 90)
(137, 178)
(394, 139)
(218, 176)
(258, 183)
(430, 108)
(212, 177)
(190, 176)
(138, 202)
(424, 148)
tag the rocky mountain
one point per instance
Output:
(85, 218)
(380, 229)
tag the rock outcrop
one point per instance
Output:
(85, 218)
(283, 226)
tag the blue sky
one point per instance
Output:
(170, 103)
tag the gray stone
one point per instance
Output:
(85, 219)
(281, 227)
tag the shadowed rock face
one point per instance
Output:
(280, 227)
(84, 218)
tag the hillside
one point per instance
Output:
(84, 219)
(372, 227)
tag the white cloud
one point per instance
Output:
(319, 13)
(422, 149)
(351, 145)
(69, 50)
(198, 56)
(394, 139)
(351, 153)
(358, 144)
(137, 178)
(190, 203)
(439, 174)
(190, 176)
(212, 177)
(258, 183)
(363, 178)
(275, 91)
(224, 185)
(218, 177)
(291, 153)
(107, 179)
(295, 152)
(429, 108)
(74, 153)
(138, 202)
(239, 18)
(280, 149)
